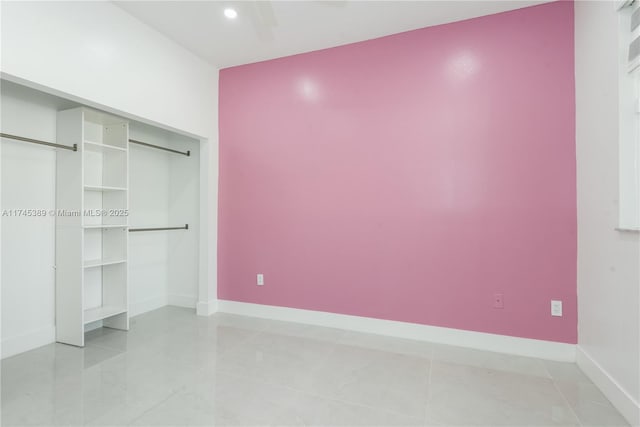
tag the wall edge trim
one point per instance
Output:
(548, 350)
(148, 304)
(206, 308)
(28, 341)
(617, 395)
(182, 300)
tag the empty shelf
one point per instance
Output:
(96, 146)
(99, 313)
(103, 188)
(101, 262)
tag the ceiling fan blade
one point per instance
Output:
(266, 13)
(263, 19)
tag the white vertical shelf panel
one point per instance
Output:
(69, 233)
(91, 250)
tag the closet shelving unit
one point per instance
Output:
(92, 200)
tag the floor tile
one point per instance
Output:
(599, 415)
(390, 344)
(309, 410)
(587, 401)
(242, 322)
(390, 381)
(274, 358)
(490, 360)
(581, 392)
(564, 371)
(176, 368)
(304, 331)
(227, 400)
(469, 395)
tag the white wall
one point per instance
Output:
(28, 182)
(96, 54)
(608, 260)
(148, 204)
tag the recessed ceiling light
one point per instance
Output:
(230, 13)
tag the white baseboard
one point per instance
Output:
(34, 339)
(154, 303)
(178, 300)
(93, 326)
(206, 308)
(479, 340)
(147, 305)
(623, 401)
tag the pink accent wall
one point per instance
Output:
(409, 177)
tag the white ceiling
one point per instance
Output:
(271, 29)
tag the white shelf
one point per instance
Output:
(100, 262)
(92, 249)
(97, 146)
(103, 188)
(99, 313)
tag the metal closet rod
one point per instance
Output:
(75, 146)
(186, 227)
(37, 141)
(146, 144)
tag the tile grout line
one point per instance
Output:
(317, 395)
(564, 398)
(567, 402)
(334, 343)
(426, 406)
(607, 405)
(174, 393)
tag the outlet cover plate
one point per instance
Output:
(498, 301)
(556, 308)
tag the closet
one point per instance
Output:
(92, 205)
(122, 218)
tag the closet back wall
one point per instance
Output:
(164, 192)
(409, 178)
(148, 202)
(28, 243)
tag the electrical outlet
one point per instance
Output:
(498, 301)
(260, 280)
(556, 308)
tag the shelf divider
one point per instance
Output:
(100, 262)
(103, 188)
(97, 146)
(99, 313)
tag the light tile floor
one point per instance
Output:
(175, 368)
